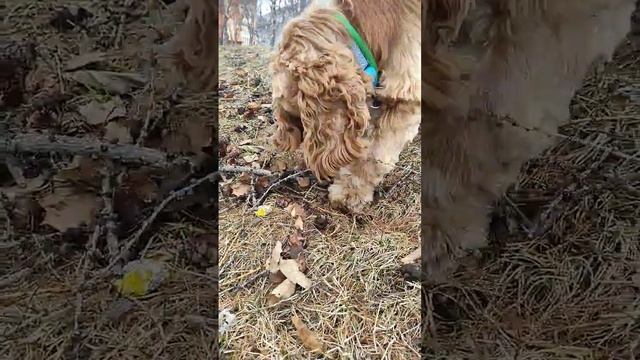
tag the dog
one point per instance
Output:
(499, 75)
(350, 122)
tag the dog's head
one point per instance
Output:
(319, 94)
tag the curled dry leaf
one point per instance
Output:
(295, 210)
(303, 182)
(281, 292)
(415, 255)
(274, 260)
(240, 189)
(299, 224)
(291, 269)
(309, 339)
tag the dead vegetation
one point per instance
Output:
(560, 279)
(357, 304)
(106, 191)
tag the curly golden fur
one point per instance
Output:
(321, 98)
(494, 70)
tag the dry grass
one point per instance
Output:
(359, 304)
(40, 271)
(570, 290)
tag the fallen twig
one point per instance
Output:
(38, 143)
(148, 221)
(249, 281)
(277, 183)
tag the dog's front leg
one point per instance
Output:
(355, 183)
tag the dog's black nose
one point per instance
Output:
(375, 104)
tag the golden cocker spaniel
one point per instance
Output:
(500, 75)
(351, 123)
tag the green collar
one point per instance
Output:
(363, 54)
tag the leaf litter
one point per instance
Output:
(317, 247)
(93, 81)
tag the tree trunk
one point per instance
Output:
(222, 21)
(273, 22)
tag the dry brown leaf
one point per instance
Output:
(240, 189)
(303, 182)
(111, 82)
(291, 269)
(83, 60)
(81, 172)
(96, 113)
(309, 339)
(299, 224)
(262, 183)
(279, 165)
(188, 136)
(415, 255)
(250, 158)
(296, 247)
(66, 210)
(31, 186)
(295, 210)
(281, 292)
(275, 257)
(276, 278)
(117, 132)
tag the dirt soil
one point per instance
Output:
(358, 305)
(103, 160)
(561, 279)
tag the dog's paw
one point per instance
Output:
(351, 194)
(438, 262)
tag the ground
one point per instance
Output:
(66, 220)
(359, 305)
(561, 278)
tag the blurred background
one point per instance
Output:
(255, 22)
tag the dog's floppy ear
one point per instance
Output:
(288, 136)
(318, 76)
(333, 110)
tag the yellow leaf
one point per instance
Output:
(135, 283)
(140, 277)
(263, 211)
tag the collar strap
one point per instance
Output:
(360, 50)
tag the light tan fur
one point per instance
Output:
(193, 50)
(321, 98)
(495, 68)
